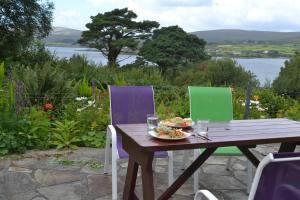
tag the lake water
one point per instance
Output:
(266, 69)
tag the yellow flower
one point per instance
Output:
(256, 97)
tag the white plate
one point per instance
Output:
(162, 124)
(154, 134)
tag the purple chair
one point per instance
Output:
(128, 105)
(277, 178)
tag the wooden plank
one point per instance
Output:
(187, 173)
(130, 181)
(251, 157)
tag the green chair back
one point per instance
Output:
(214, 104)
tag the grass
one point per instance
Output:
(253, 50)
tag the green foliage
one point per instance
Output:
(65, 134)
(21, 22)
(112, 31)
(45, 82)
(288, 81)
(39, 132)
(274, 104)
(84, 89)
(1, 76)
(226, 72)
(13, 138)
(171, 47)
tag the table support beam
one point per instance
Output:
(187, 173)
(249, 155)
(287, 147)
(130, 181)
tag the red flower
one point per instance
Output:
(203, 67)
(48, 106)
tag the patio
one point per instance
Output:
(56, 175)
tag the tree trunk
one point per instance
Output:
(112, 60)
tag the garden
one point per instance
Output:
(64, 104)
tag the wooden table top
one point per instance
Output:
(233, 133)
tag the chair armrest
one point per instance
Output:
(204, 193)
(112, 133)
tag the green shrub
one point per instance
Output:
(65, 134)
(288, 81)
(39, 132)
(44, 83)
(226, 72)
(84, 89)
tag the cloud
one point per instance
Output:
(70, 18)
(193, 15)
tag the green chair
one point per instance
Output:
(214, 104)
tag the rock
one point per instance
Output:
(51, 177)
(4, 164)
(217, 182)
(19, 186)
(59, 192)
(99, 185)
(215, 169)
(239, 166)
(25, 163)
(217, 160)
(87, 169)
(19, 169)
(39, 198)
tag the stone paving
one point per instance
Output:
(78, 175)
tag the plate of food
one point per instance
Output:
(168, 133)
(177, 122)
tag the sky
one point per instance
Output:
(191, 15)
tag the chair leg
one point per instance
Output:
(185, 159)
(249, 176)
(196, 174)
(107, 148)
(170, 168)
(114, 178)
(228, 163)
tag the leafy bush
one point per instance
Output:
(226, 72)
(288, 81)
(39, 132)
(65, 134)
(44, 83)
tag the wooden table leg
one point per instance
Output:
(249, 155)
(147, 178)
(287, 147)
(130, 180)
(187, 173)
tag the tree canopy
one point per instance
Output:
(171, 47)
(288, 81)
(20, 22)
(112, 32)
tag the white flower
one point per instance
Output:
(91, 102)
(80, 98)
(254, 102)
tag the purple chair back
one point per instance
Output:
(280, 180)
(130, 105)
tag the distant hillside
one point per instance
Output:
(61, 36)
(242, 36)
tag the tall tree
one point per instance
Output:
(20, 22)
(171, 47)
(115, 31)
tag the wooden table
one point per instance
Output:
(243, 134)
